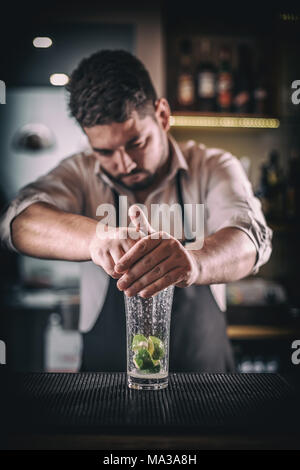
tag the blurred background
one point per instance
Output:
(229, 77)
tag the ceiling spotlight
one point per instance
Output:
(42, 42)
(59, 79)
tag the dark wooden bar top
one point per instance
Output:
(196, 411)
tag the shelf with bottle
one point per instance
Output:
(223, 78)
(279, 192)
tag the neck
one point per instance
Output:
(142, 195)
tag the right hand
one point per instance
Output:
(111, 245)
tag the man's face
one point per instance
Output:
(132, 152)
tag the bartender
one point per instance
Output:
(132, 154)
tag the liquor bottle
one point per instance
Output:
(225, 82)
(260, 91)
(271, 190)
(262, 190)
(186, 82)
(243, 81)
(206, 79)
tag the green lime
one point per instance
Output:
(152, 370)
(139, 342)
(159, 351)
(142, 359)
(156, 368)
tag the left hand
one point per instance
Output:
(153, 264)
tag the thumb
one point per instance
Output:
(139, 219)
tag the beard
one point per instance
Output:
(139, 185)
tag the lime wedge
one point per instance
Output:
(159, 350)
(139, 342)
(150, 346)
(142, 359)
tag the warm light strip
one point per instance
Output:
(212, 121)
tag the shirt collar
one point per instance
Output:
(178, 162)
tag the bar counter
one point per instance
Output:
(196, 411)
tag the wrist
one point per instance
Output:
(200, 261)
(90, 237)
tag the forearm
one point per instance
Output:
(226, 256)
(44, 231)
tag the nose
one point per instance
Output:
(126, 164)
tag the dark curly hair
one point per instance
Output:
(108, 86)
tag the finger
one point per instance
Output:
(140, 249)
(117, 253)
(152, 259)
(108, 265)
(150, 277)
(128, 243)
(139, 219)
(167, 280)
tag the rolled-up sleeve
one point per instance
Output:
(230, 202)
(62, 187)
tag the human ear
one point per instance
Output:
(162, 112)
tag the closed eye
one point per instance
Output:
(139, 144)
(105, 153)
(109, 153)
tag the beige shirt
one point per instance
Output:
(211, 177)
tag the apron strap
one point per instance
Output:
(116, 198)
(185, 223)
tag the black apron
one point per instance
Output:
(198, 338)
